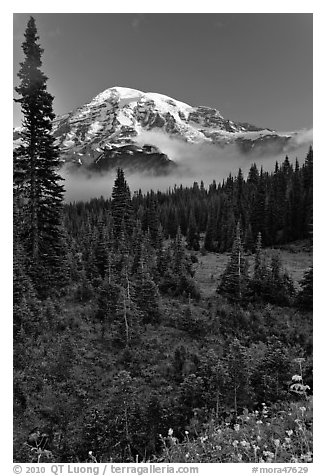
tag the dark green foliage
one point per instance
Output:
(176, 265)
(237, 375)
(121, 208)
(101, 252)
(308, 194)
(190, 323)
(234, 281)
(305, 296)
(151, 218)
(147, 297)
(192, 233)
(210, 235)
(259, 282)
(107, 301)
(36, 178)
(270, 283)
(279, 284)
(272, 372)
(258, 211)
(131, 351)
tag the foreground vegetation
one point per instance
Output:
(129, 345)
(280, 434)
(201, 368)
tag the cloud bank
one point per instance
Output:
(195, 162)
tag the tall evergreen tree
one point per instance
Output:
(305, 296)
(258, 211)
(259, 280)
(308, 189)
(192, 233)
(36, 178)
(234, 280)
(147, 296)
(210, 239)
(121, 207)
(101, 250)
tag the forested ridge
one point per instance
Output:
(277, 204)
(119, 349)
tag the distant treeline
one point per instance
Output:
(278, 205)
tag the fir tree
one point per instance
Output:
(121, 207)
(161, 258)
(147, 297)
(305, 296)
(280, 288)
(258, 210)
(35, 171)
(107, 302)
(210, 241)
(192, 233)
(234, 280)
(258, 282)
(178, 255)
(296, 204)
(238, 373)
(308, 189)
(101, 250)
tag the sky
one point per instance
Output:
(256, 68)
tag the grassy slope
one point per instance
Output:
(296, 259)
(95, 362)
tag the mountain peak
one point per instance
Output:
(119, 92)
(122, 119)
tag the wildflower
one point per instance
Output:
(298, 388)
(303, 409)
(259, 422)
(289, 432)
(298, 360)
(186, 432)
(187, 455)
(297, 378)
(277, 443)
(287, 440)
(203, 439)
(235, 443)
(245, 444)
(239, 456)
(218, 447)
(258, 438)
(237, 427)
(90, 453)
(170, 432)
(307, 458)
(268, 454)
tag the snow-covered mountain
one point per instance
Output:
(110, 130)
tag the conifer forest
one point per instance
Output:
(159, 326)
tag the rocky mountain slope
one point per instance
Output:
(109, 131)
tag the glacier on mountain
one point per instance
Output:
(118, 117)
